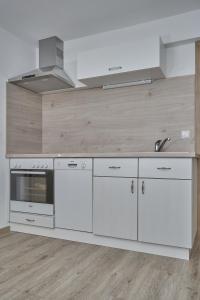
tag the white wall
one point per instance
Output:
(16, 56)
(178, 34)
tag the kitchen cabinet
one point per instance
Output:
(165, 212)
(73, 194)
(143, 204)
(115, 207)
(115, 198)
(138, 60)
(166, 206)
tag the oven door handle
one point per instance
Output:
(28, 172)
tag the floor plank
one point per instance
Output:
(41, 268)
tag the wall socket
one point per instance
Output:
(185, 134)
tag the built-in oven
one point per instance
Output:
(30, 182)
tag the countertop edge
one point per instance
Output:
(107, 155)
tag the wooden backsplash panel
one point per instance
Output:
(120, 120)
(24, 121)
(197, 102)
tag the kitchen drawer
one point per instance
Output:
(31, 219)
(34, 208)
(116, 167)
(177, 168)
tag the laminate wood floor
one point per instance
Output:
(37, 268)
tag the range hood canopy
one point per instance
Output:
(50, 76)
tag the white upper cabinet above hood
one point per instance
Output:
(135, 61)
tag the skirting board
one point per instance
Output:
(89, 238)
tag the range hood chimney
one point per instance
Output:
(50, 76)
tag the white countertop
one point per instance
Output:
(88, 155)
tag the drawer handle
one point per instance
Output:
(114, 167)
(132, 187)
(30, 220)
(163, 168)
(115, 68)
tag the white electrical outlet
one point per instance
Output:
(185, 134)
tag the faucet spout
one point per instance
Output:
(159, 144)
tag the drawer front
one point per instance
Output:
(31, 219)
(34, 208)
(178, 168)
(116, 167)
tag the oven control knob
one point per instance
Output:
(15, 166)
(19, 166)
(42, 166)
(33, 166)
(38, 166)
(46, 166)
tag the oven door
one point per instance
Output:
(32, 186)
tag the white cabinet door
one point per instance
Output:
(164, 212)
(73, 199)
(115, 207)
(122, 63)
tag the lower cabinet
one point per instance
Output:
(115, 207)
(165, 212)
(154, 201)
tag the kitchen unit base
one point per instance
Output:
(89, 238)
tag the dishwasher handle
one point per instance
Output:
(72, 165)
(114, 167)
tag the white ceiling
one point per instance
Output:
(69, 19)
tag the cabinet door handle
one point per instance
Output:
(163, 168)
(114, 167)
(132, 187)
(30, 220)
(143, 188)
(115, 68)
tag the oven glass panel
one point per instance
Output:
(32, 187)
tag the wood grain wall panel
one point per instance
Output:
(197, 99)
(120, 120)
(197, 123)
(24, 121)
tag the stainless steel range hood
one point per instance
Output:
(50, 76)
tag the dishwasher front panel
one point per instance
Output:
(73, 199)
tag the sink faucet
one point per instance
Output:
(159, 144)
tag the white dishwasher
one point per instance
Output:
(73, 194)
